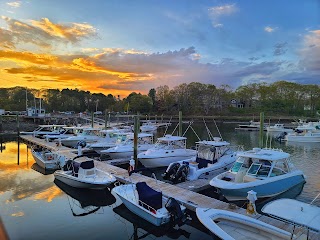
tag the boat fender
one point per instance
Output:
(171, 170)
(176, 215)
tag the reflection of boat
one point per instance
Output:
(41, 170)
(45, 158)
(229, 225)
(150, 229)
(148, 203)
(268, 172)
(213, 157)
(168, 149)
(88, 197)
(125, 149)
(81, 173)
(296, 212)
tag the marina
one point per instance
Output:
(188, 193)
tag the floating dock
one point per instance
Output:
(184, 192)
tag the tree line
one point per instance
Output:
(278, 98)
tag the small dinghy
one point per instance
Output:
(149, 204)
(45, 158)
(230, 226)
(82, 173)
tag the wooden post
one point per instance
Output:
(105, 120)
(18, 125)
(261, 129)
(92, 119)
(135, 139)
(1, 128)
(180, 123)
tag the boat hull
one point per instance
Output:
(143, 213)
(164, 160)
(49, 165)
(296, 138)
(80, 183)
(263, 189)
(228, 225)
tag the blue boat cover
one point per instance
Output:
(149, 196)
(87, 164)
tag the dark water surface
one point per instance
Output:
(33, 206)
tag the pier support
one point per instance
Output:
(261, 129)
(135, 139)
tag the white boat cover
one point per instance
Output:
(295, 211)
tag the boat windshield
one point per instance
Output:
(236, 166)
(254, 168)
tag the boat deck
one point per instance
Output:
(181, 192)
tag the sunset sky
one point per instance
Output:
(121, 46)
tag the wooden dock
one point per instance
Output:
(181, 192)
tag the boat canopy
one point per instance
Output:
(149, 196)
(213, 143)
(170, 138)
(264, 154)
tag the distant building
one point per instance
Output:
(237, 104)
(36, 112)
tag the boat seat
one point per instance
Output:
(248, 179)
(87, 169)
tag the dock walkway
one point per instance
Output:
(189, 198)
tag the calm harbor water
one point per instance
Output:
(33, 206)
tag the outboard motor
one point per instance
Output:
(174, 209)
(81, 143)
(181, 174)
(281, 136)
(171, 171)
(68, 166)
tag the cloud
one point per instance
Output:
(217, 12)
(14, 4)
(270, 29)
(43, 33)
(280, 49)
(310, 52)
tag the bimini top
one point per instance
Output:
(265, 154)
(140, 135)
(215, 143)
(294, 211)
(170, 138)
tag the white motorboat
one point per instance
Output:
(148, 203)
(303, 134)
(148, 127)
(46, 159)
(88, 135)
(168, 149)
(278, 127)
(45, 130)
(125, 149)
(295, 212)
(268, 172)
(252, 126)
(112, 138)
(229, 225)
(64, 133)
(81, 173)
(213, 157)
